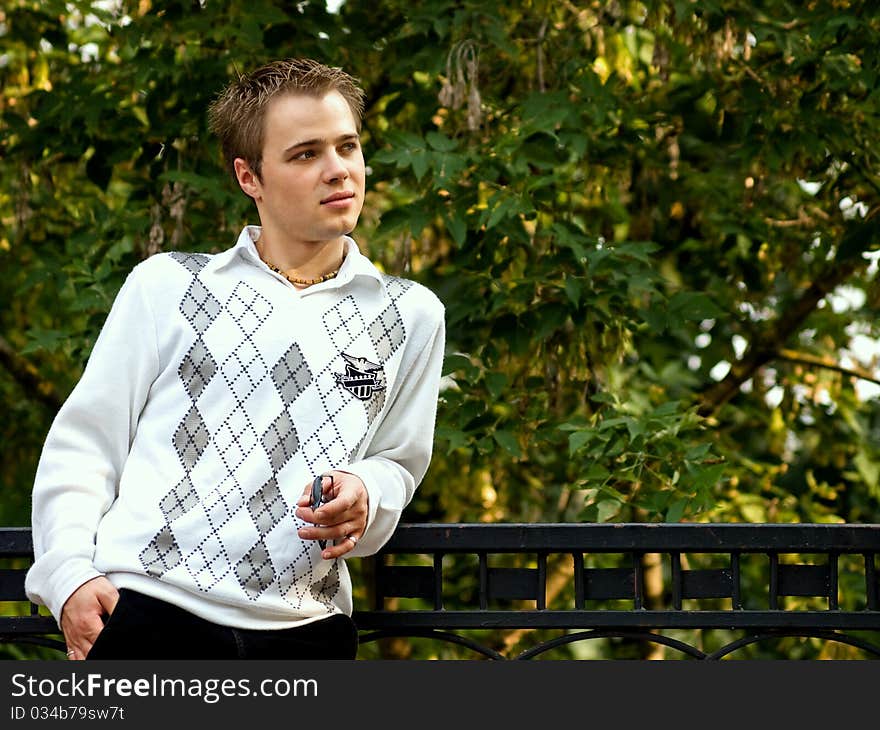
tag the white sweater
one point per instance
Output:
(214, 394)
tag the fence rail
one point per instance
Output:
(589, 581)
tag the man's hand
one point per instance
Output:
(82, 615)
(342, 518)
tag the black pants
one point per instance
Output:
(142, 627)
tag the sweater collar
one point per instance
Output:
(355, 264)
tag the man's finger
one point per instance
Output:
(108, 601)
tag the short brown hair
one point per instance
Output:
(237, 115)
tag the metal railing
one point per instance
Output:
(448, 582)
(602, 574)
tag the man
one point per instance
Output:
(172, 515)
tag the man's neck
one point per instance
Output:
(303, 260)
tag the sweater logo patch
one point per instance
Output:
(361, 378)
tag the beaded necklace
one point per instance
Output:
(303, 282)
(295, 280)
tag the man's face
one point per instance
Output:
(311, 189)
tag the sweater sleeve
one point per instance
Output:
(400, 452)
(86, 449)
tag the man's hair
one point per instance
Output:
(237, 115)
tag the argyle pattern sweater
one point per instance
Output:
(214, 394)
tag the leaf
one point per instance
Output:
(573, 289)
(43, 340)
(448, 168)
(706, 477)
(697, 452)
(578, 440)
(496, 383)
(500, 211)
(656, 319)
(440, 142)
(606, 509)
(457, 228)
(604, 397)
(635, 428)
(595, 472)
(545, 112)
(754, 511)
(455, 438)
(457, 361)
(639, 250)
(869, 469)
(694, 306)
(508, 441)
(665, 410)
(542, 150)
(394, 220)
(675, 511)
(419, 161)
(572, 238)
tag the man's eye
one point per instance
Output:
(305, 155)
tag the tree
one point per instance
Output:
(653, 225)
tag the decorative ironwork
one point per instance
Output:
(793, 568)
(582, 582)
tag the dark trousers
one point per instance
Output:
(142, 627)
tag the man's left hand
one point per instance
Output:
(342, 518)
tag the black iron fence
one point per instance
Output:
(649, 583)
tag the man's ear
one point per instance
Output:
(247, 178)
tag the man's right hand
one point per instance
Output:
(82, 617)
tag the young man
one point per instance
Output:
(172, 514)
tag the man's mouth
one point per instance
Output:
(337, 197)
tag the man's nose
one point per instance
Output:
(336, 169)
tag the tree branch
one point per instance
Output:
(774, 335)
(802, 358)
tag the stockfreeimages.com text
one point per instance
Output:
(209, 690)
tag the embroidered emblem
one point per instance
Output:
(361, 378)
